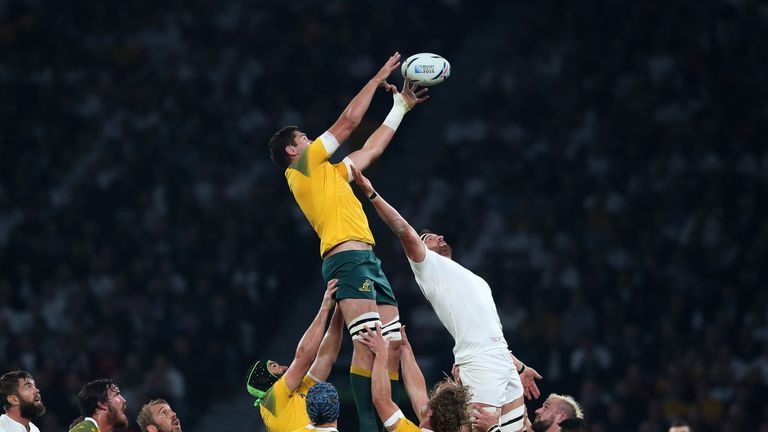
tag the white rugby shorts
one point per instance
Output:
(492, 378)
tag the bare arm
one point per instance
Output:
(352, 115)
(379, 140)
(381, 389)
(329, 348)
(310, 342)
(415, 385)
(528, 377)
(412, 245)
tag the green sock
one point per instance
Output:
(361, 390)
(395, 384)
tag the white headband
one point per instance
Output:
(424, 236)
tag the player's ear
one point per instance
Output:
(560, 417)
(102, 405)
(12, 399)
(152, 428)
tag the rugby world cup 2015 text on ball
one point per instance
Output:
(426, 69)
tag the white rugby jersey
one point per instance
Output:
(8, 424)
(463, 302)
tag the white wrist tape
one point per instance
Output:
(399, 108)
(397, 415)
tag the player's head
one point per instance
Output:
(679, 426)
(322, 403)
(287, 144)
(102, 397)
(575, 425)
(19, 392)
(554, 410)
(436, 243)
(447, 408)
(157, 416)
(261, 376)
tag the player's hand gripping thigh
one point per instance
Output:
(390, 313)
(483, 417)
(351, 310)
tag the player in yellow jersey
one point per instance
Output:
(281, 391)
(346, 243)
(445, 410)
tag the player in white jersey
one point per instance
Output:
(464, 304)
(21, 400)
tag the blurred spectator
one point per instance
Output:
(679, 426)
(607, 175)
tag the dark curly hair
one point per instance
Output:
(449, 406)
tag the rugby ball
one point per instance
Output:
(426, 69)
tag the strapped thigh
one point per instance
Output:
(367, 320)
(391, 330)
(514, 420)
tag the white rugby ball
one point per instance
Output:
(426, 69)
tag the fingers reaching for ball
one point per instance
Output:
(391, 88)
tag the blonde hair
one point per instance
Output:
(144, 418)
(570, 403)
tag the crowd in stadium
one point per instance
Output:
(607, 181)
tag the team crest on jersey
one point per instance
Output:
(366, 286)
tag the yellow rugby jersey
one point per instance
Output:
(283, 410)
(405, 425)
(309, 428)
(323, 193)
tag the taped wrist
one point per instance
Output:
(396, 114)
(397, 415)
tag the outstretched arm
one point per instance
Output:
(329, 348)
(412, 244)
(415, 385)
(379, 140)
(352, 115)
(310, 342)
(381, 389)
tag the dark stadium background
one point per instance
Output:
(602, 164)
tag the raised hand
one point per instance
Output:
(362, 181)
(381, 76)
(373, 340)
(411, 96)
(328, 301)
(455, 374)
(528, 378)
(482, 420)
(405, 342)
